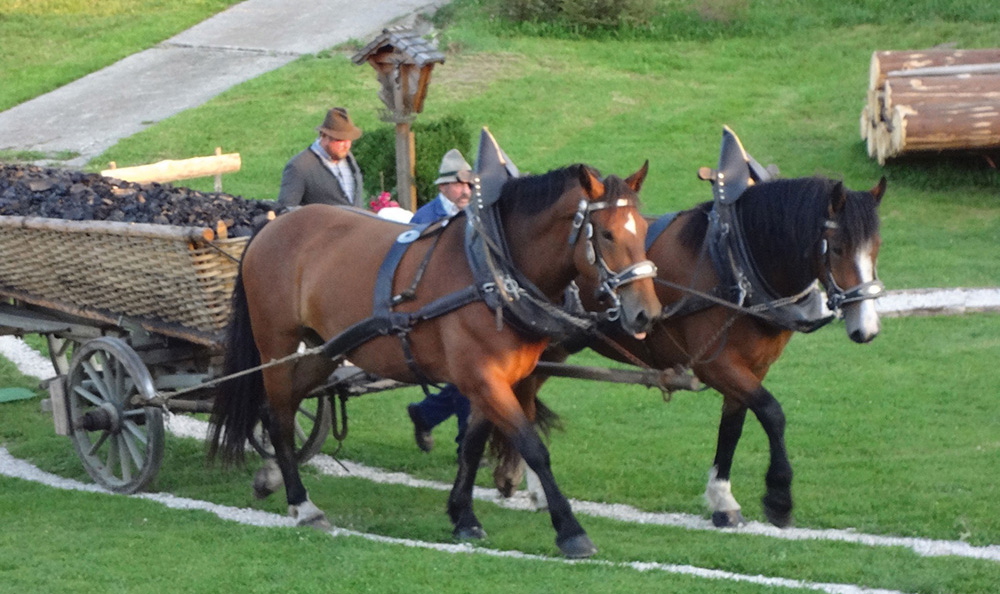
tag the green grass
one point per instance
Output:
(898, 437)
(45, 44)
(889, 438)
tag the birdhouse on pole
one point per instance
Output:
(403, 62)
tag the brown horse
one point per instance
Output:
(795, 231)
(311, 274)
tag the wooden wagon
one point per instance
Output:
(134, 316)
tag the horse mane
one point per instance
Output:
(782, 220)
(532, 194)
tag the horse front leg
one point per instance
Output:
(726, 511)
(571, 538)
(778, 499)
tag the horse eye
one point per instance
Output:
(607, 235)
(838, 251)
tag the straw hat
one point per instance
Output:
(454, 168)
(338, 125)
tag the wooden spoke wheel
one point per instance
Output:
(118, 439)
(312, 424)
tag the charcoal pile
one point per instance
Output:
(31, 190)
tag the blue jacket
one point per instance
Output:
(430, 212)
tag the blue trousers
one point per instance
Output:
(436, 408)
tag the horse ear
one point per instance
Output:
(635, 180)
(838, 198)
(591, 185)
(878, 191)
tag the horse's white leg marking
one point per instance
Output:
(535, 492)
(306, 513)
(630, 225)
(718, 493)
(861, 316)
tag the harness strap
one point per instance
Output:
(658, 227)
(387, 271)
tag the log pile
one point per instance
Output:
(932, 100)
(30, 190)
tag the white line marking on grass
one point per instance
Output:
(20, 469)
(328, 466)
(28, 360)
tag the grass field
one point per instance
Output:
(898, 437)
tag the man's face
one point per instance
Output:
(457, 192)
(337, 149)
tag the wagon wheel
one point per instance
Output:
(119, 441)
(61, 352)
(312, 424)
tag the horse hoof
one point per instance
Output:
(782, 518)
(307, 514)
(318, 522)
(267, 480)
(469, 533)
(728, 519)
(577, 547)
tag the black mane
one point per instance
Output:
(782, 221)
(533, 194)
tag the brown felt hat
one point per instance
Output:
(454, 168)
(338, 125)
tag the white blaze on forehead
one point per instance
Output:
(865, 263)
(630, 225)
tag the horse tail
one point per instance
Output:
(239, 401)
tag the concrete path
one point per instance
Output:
(91, 114)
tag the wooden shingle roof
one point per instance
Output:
(407, 42)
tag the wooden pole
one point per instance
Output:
(405, 192)
(171, 170)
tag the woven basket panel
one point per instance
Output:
(167, 279)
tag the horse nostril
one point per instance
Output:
(862, 337)
(642, 322)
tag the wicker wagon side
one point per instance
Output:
(171, 280)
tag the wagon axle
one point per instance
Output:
(105, 418)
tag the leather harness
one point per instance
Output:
(741, 285)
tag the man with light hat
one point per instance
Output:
(326, 172)
(454, 177)
(454, 191)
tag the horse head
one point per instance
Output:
(850, 247)
(609, 235)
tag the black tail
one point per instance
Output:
(239, 401)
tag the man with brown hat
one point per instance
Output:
(326, 172)
(454, 177)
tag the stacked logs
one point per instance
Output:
(31, 190)
(932, 100)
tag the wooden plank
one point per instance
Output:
(172, 170)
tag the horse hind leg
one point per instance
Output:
(282, 385)
(281, 427)
(463, 518)
(726, 511)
